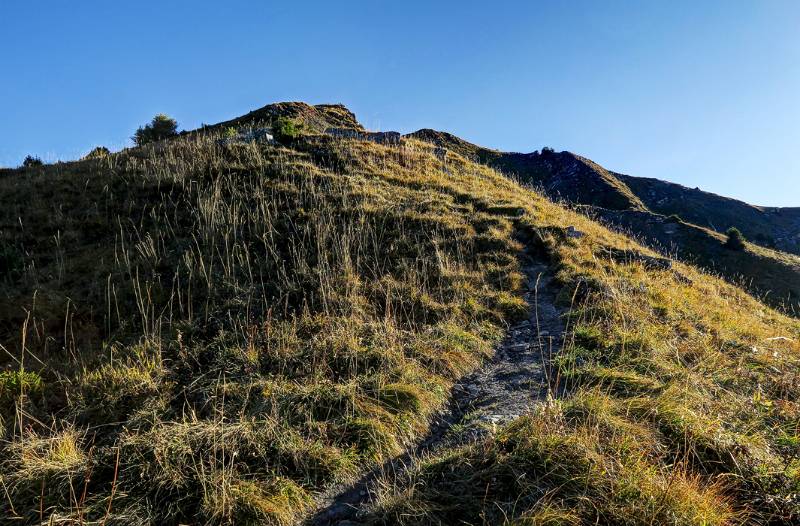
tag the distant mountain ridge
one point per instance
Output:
(680, 221)
(774, 227)
(562, 175)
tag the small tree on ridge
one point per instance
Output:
(31, 162)
(161, 127)
(735, 239)
(97, 153)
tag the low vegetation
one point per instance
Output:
(215, 332)
(31, 162)
(98, 152)
(286, 130)
(265, 323)
(680, 407)
(735, 239)
(159, 128)
(637, 206)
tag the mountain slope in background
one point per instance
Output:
(674, 219)
(579, 180)
(772, 227)
(561, 175)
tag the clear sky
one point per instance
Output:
(702, 93)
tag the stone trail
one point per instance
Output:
(509, 385)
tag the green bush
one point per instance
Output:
(735, 239)
(286, 130)
(97, 153)
(161, 127)
(12, 383)
(31, 162)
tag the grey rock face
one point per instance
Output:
(574, 233)
(390, 137)
(257, 135)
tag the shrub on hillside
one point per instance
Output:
(735, 239)
(161, 127)
(97, 153)
(286, 130)
(31, 162)
(12, 383)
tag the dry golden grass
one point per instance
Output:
(680, 407)
(227, 330)
(238, 327)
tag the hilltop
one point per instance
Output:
(225, 328)
(314, 118)
(673, 219)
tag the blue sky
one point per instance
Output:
(700, 93)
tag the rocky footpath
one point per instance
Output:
(512, 383)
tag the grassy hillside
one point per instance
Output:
(640, 207)
(770, 274)
(208, 332)
(680, 408)
(561, 175)
(212, 333)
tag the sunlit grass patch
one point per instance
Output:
(545, 470)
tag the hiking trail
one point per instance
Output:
(507, 386)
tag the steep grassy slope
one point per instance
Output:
(206, 332)
(212, 333)
(561, 175)
(638, 206)
(770, 274)
(681, 407)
